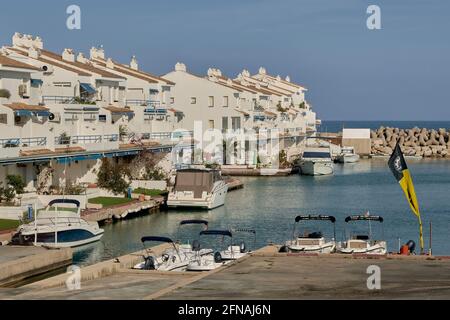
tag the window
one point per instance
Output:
(193, 100)
(211, 124)
(211, 101)
(172, 100)
(236, 123)
(225, 101)
(102, 118)
(224, 124)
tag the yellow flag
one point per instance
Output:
(398, 166)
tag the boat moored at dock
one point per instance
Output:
(363, 243)
(58, 227)
(198, 188)
(347, 155)
(316, 161)
(313, 242)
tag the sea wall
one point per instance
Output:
(414, 142)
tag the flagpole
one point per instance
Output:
(422, 246)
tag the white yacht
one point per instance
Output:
(198, 188)
(347, 155)
(316, 161)
(59, 227)
(313, 242)
(211, 261)
(363, 243)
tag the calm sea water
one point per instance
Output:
(270, 205)
(337, 126)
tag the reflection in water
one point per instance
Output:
(270, 204)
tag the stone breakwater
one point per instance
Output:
(414, 142)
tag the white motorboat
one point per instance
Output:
(363, 243)
(347, 155)
(170, 260)
(313, 242)
(234, 252)
(59, 226)
(316, 161)
(187, 247)
(210, 261)
(198, 188)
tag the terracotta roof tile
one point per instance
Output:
(114, 109)
(23, 106)
(8, 62)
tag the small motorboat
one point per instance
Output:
(171, 259)
(59, 226)
(313, 242)
(210, 261)
(235, 252)
(363, 243)
(187, 248)
(347, 155)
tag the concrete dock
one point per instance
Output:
(265, 274)
(20, 263)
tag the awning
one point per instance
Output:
(88, 88)
(30, 113)
(36, 82)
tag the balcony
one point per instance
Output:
(89, 142)
(66, 100)
(144, 103)
(10, 148)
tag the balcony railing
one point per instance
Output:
(144, 103)
(65, 100)
(25, 142)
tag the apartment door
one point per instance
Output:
(224, 124)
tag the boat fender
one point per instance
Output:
(411, 245)
(404, 250)
(217, 257)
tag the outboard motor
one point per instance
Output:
(149, 263)
(243, 247)
(196, 246)
(284, 249)
(411, 246)
(218, 257)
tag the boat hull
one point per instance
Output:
(325, 248)
(313, 168)
(212, 201)
(379, 248)
(65, 238)
(348, 158)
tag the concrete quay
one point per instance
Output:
(20, 263)
(266, 274)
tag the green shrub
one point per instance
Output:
(16, 182)
(113, 177)
(150, 192)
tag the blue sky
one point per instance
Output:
(398, 73)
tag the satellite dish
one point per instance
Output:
(51, 116)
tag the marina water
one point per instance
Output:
(270, 204)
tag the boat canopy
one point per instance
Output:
(196, 181)
(364, 218)
(156, 239)
(64, 201)
(245, 230)
(185, 222)
(216, 233)
(316, 218)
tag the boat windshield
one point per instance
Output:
(316, 155)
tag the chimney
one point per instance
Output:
(278, 78)
(180, 67)
(38, 43)
(97, 53)
(17, 39)
(288, 79)
(34, 53)
(110, 64)
(27, 41)
(262, 71)
(210, 72)
(81, 58)
(68, 55)
(134, 63)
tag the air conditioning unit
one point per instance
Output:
(23, 90)
(47, 69)
(55, 117)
